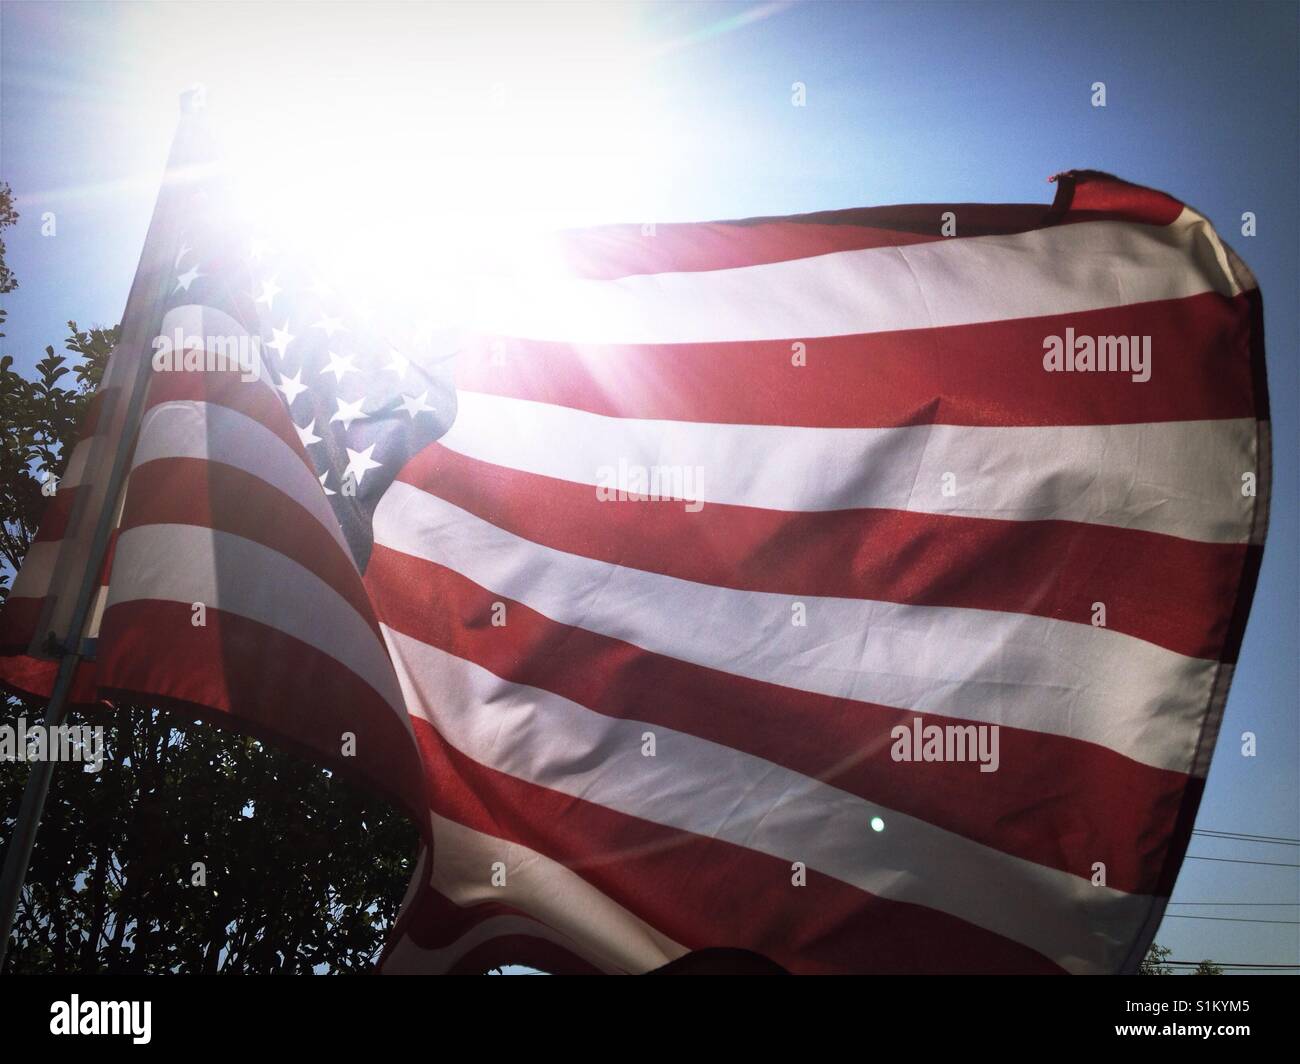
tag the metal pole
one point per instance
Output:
(143, 304)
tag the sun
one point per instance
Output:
(408, 169)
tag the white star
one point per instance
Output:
(339, 366)
(413, 404)
(269, 291)
(359, 462)
(306, 434)
(187, 278)
(291, 386)
(348, 412)
(330, 325)
(282, 339)
(399, 364)
(321, 478)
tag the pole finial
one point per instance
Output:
(194, 99)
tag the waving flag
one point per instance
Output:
(860, 589)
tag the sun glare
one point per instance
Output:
(407, 165)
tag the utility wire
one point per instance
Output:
(1292, 904)
(1228, 919)
(1238, 860)
(1246, 834)
(1225, 964)
(1275, 840)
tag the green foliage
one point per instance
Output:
(1154, 962)
(300, 872)
(197, 850)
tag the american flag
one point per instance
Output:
(638, 602)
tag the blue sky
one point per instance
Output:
(905, 103)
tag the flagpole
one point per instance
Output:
(141, 321)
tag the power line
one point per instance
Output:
(1226, 964)
(1245, 834)
(1275, 840)
(1228, 919)
(1238, 860)
(1292, 904)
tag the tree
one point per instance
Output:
(36, 417)
(1154, 962)
(192, 849)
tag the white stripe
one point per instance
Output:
(117, 369)
(187, 428)
(1182, 478)
(186, 563)
(75, 472)
(1262, 466)
(715, 791)
(1062, 270)
(1023, 671)
(595, 926)
(1238, 275)
(214, 330)
(33, 579)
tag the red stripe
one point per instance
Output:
(1169, 591)
(990, 373)
(265, 682)
(19, 618)
(705, 892)
(33, 678)
(1054, 800)
(54, 518)
(194, 491)
(613, 251)
(1091, 195)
